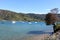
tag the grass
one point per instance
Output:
(57, 26)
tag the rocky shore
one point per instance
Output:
(55, 36)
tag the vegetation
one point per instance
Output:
(52, 18)
(57, 26)
(10, 15)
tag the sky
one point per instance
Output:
(29, 6)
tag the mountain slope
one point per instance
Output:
(10, 15)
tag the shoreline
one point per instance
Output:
(36, 37)
(55, 36)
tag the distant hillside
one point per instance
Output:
(10, 15)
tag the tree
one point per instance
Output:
(51, 18)
(55, 10)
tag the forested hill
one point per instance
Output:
(10, 15)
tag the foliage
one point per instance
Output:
(51, 18)
(10, 15)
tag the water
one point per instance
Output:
(18, 30)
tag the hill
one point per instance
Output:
(10, 15)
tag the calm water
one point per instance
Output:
(9, 30)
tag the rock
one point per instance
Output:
(55, 36)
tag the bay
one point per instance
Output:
(20, 29)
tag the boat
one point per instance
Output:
(30, 23)
(35, 22)
(13, 22)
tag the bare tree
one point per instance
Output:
(55, 10)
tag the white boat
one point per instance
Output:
(35, 22)
(30, 23)
(13, 21)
